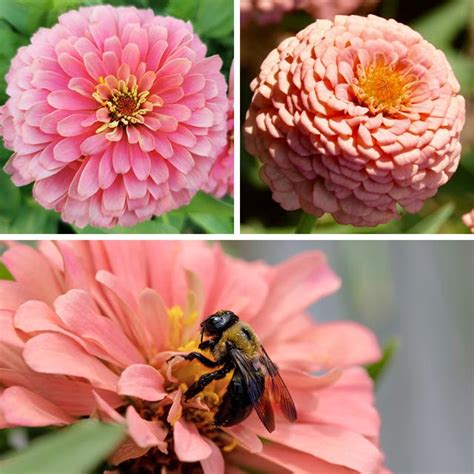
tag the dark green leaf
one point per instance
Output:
(205, 204)
(210, 18)
(212, 224)
(33, 219)
(441, 24)
(10, 197)
(378, 369)
(4, 273)
(433, 223)
(74, 450)
(150, 227)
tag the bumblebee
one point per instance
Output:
(255, 381)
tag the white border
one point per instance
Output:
(237, 143)
(212, 237)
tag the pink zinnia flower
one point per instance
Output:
(355, 117)
(115, 115)
(468, 219)
(86, 330)
(221, 178)
(272, 11)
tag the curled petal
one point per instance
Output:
(142, 381)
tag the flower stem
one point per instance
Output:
(306, 224)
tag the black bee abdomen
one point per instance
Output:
(236, 405)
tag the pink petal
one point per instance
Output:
(155, 318)
(131, 56)
(295, 284)
(77, 310)
(108, 413)
(345, 343)
(142, 381)
(74, 397)
(189, 445)
(71, 126)
(68, 149)
(246, 437)
(12, 294)
(33, 272)
(145, 433)
(69, 100)
(298, 462)
(8, 335)
(215, 463)
(330, 444)
(58, 354)
(21, 407)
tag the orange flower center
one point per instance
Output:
(382, 88)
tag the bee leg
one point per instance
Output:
(206, 379)
(209, 344)
(203, 359)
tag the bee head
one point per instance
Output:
(217, 323)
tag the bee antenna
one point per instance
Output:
(202, 334)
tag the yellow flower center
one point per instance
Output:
(124, 103)
(382, 88)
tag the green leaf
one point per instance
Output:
(433, 223)
(378, 369)
(212, 224)
(441, 25)
(155, 226)
(210, 18)
(10, 198)
(205, 204)
(184, 9)
(26, 16)
(74, 450)
(33, 219)
(215, 18)
(4, 273)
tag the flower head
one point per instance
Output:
(355, 117)
(272, 11)
(468, 219)
(87, 329)
(115, 115)
(221, 178)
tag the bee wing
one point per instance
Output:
(278, 389)
(257, 393)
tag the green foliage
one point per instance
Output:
(204, 214)
(378, 369)
(210, 18)
(75, 450)
(432, 223)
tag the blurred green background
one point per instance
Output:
(449, 25)
(19, 19)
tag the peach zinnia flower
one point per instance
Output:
(355, 117)
(115, 115)
(468, 219)
(86, 330)
(221, 178)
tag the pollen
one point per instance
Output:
(122, 103)
(382, 88)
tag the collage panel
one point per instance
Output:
(262, 357)
(357, 117)
(116, 117)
